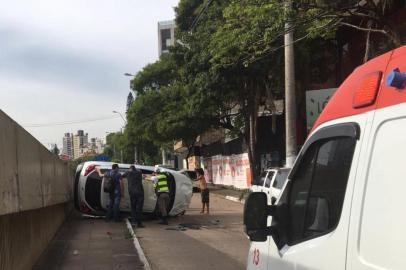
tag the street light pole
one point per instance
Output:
(114, 144)
(122, 117)
(135, 96)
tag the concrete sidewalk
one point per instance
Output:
(90, 243)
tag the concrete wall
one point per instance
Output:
(35, 188)
(25, 235)
(30, 176)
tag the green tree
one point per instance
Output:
(116, 148)
(228, 63)
(165, 116)
(322, 17)
(219, 64)
(155, 75)
(55, 150)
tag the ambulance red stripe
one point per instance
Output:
(341, 104)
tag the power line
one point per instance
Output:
(197, 19)
(71, 122)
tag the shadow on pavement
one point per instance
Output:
(90, 243)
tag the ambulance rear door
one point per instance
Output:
(377, 231)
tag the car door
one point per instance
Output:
(259, 185)
(104, 197)
(315, 202)
(376, 235)
(267, 188)
(125, 204)
(150, 197)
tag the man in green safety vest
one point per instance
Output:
(162, 190)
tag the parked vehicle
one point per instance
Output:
(271, 182)
(193, 177)
(342, 206)
(91, 199)
(164, 166)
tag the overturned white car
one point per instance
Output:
(91, 199)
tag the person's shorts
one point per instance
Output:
(205, 195)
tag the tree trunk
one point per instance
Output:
(251, 123)
(270, 97)
(163, 153)
(368, 42)
(189, 151)
(290, 95)
(187, 163)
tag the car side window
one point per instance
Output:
(318, 187)
(280, 179)
(146, 171)
(269, 179)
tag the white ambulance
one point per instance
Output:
(344, 203)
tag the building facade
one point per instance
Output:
(79, 145)
(80, 141)
(67, 149)
(166, 36)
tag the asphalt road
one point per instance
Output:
(205, 242)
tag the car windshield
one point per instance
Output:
(262, 178)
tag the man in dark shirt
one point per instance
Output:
(136, 191)
(117, 193)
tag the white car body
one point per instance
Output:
(91, 199)
(271, 182)
(193, 178)
(342, 206)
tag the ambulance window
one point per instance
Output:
(298, 194)
(318, 188)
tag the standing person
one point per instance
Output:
(204, 190)
(136, 191)
(117, 192)
(162, 190)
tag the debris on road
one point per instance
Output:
(196, 226)
(176, 228)
(193, 226)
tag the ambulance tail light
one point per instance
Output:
(89, 169)
(367, 91)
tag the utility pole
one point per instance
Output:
(290, 95)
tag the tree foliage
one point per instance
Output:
(155, 75)
(55, 150)
(228, 63)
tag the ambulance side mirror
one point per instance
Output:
(256, 212)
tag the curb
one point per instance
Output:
(234, 199)
(230, 198)
(138, 247)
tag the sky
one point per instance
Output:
(64, 61)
